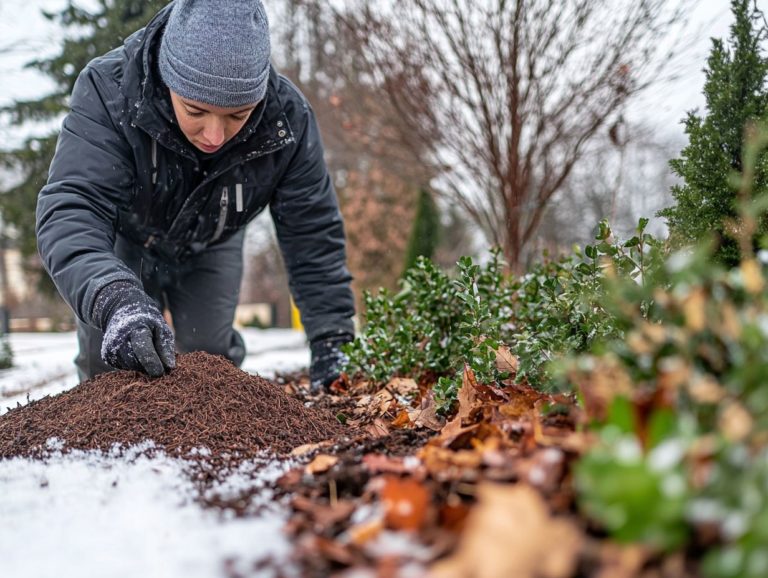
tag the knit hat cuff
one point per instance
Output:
(209, 88)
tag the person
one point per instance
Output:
(174, 142)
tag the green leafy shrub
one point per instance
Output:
(432, 323)
(560, 306)
(692, 369)
(436, 324)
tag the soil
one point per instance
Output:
(206, 402)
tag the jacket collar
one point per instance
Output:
(149, 106)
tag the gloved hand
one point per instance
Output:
(327, 360)
(136, 337)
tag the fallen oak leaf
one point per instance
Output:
(506, 361)
(341, 385)
(453, 432)
(382, 401)
(426, 415)
(403, 386)
(467, 395)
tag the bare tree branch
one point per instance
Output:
(502, 97)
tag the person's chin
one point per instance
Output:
(208, 148)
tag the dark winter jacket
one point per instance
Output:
(123, 166)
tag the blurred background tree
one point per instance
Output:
(736, 96)
(91, 32)
(502, 100)
(380, 179)
(497, 112)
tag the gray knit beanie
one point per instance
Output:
(216, 51)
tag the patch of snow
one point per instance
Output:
(88, 514)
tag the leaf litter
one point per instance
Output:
(376, 483)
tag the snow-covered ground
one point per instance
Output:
(88, 514)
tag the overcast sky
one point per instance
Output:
(24, 33)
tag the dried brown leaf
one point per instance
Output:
(361, 533)
(506, 361)
(406, 502)
(403, 386)
(321, 463)
(426, 415)
(307, 448)
(512, 533)
(377, 429)
(402, 420)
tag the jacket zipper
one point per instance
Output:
(246, 158)
(223, 210)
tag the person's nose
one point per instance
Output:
(213, 133)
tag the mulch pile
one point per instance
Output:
(205, 402)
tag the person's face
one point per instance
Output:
(208, 127)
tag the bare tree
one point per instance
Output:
(376, 176)
(502, 98)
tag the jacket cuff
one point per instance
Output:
(107, 294)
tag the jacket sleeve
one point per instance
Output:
(310, 232)
(91, 175)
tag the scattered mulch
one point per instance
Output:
(206, 402)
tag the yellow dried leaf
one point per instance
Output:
(694, 308)
(321, 463)
(752, 276)
(735, 422)
(307, 448)
(511, 533)
(731, 325)
(705, 389)
(359, 534)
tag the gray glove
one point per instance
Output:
(327, 360)
(136, 337)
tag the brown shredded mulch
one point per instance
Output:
(205, 402)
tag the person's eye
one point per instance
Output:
(239, 116)
(194, 114)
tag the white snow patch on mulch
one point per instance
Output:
(89, 514)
